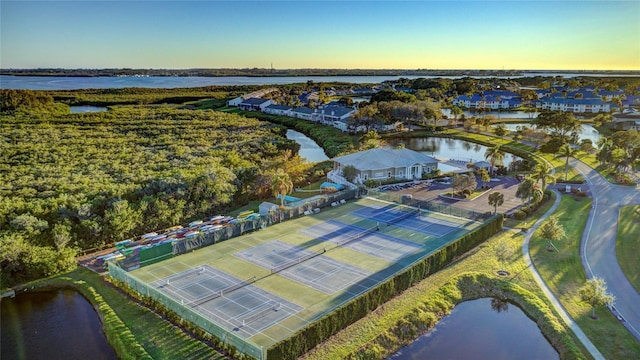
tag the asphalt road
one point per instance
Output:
(598, 245)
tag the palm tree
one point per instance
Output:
(566, 151)
(281, 185)
(525, 189)
(496, 199)
(542, 173)
(537, 195)
(494, 154)
(552, 230)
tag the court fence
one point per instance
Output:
(293, 210)
(226, 339)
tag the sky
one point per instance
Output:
(537, 35)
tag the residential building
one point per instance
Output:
(255, 104)
(274, 109)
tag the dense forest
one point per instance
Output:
(77, 181)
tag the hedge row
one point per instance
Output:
(469, 286)
(308, 337)
(332, 140)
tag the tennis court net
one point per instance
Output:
(405, 215)
(357, 236)
(297, 261)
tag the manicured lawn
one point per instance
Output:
(628, 243)
(563, 273)
(131, 323)
(426, 299)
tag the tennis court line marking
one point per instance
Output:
(424, 210)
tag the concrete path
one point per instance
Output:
(598, 243)
(554, 301)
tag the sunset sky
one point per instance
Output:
(573, 35)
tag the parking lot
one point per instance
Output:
(432, 190)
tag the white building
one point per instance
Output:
(382, 164)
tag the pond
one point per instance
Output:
(481, 329)
(448, 149)
(86, 108)
(52, 325)
(309, 150)
(587, 131)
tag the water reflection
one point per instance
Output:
(448, 149)
(481, 329)
(309, 150)
(52, 325)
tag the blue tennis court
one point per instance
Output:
(368, 241)
(408, 218)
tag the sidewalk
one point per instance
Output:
(554, 301)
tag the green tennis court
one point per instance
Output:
(264, 286)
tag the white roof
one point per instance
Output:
(384, 159)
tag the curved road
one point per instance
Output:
(598, 244)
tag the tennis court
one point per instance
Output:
(265, 286)
(373, 243)
(234, 304)
(410, 219)
(307, 267)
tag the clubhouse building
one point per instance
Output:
(383, 164)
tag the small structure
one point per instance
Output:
(267, 207)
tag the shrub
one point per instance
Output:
(519, 215)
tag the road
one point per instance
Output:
(598, 245)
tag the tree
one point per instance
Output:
(594, 292)
(496, 199)
(365, 116)
(503, 252)
(525, 189)
(61, 236)
(460, 183)
(281, 185)
(567, 151)
(501, 130)
(29, 224)
(349, 172)
(542, 174)
(494, 154)
(121, 219)
(552, 231)
(561, 124)
(537, 195)
(456, 111)
(484, 176)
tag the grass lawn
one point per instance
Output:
(131, 323)
(425, 294)
(628, 243)
(563, 273)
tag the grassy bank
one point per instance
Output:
(134, 331)
(628, 243)
(399, 321)
(563, 273)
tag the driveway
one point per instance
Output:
(598, 244)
